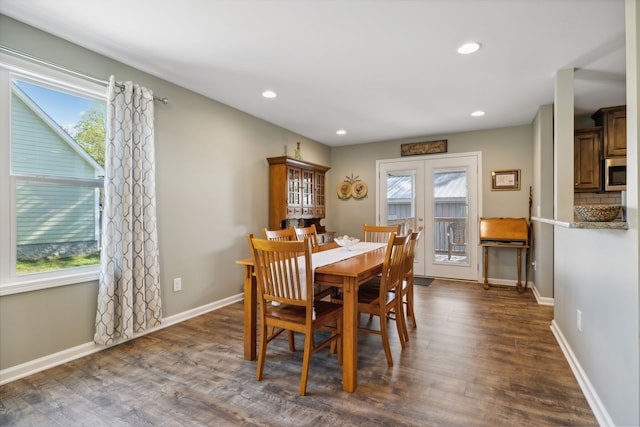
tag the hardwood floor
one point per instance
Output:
(478, 358)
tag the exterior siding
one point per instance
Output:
(37, 150)
(49, 213)
(54, 213)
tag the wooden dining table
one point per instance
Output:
(347, 274)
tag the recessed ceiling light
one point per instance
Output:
(477, 113)
(468, 48)
(269, 94)
(341, 132)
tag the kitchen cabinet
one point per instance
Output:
(296, 192)
(614, 124)
(587, 146)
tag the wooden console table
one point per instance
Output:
(505, 233)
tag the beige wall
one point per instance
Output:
(505, 148)
(543, 201)
(212, 188)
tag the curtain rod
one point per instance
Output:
(68, 70)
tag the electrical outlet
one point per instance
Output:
(579, 320)
(177, 284)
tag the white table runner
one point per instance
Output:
(322, 258)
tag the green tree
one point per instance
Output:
(91, 133)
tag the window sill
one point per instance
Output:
(36, 282)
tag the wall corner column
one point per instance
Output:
(563, 146)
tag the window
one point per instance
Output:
(51, 177)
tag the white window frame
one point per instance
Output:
(10, 282)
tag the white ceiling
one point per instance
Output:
(380, 69)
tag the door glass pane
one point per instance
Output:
(401, 199)
(451, 216)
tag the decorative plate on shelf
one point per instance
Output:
(344, 190)
(359, 190)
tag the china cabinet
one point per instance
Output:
(297, 193)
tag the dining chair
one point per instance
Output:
(379, 233)
(285, 277)
(310, 232)
(407, 285)
(284, 234)
(386, 299)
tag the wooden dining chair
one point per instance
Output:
(385, 300)
(284, 234)
(379, 233)
(407, 285)
(285, 278)
(310, 232)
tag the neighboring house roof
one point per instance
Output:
(57, 129)
(399, 188)
(448, 186)
(451, 185)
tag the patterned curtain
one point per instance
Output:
(129, 290)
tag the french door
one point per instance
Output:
(440, 194)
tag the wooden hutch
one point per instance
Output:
(297, 195)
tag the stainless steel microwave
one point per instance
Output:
(615, 174)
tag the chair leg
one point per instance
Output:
(401, 324)
(306, 358)
(410, 308)
(384, 333)
(292, 342)
(262, 353)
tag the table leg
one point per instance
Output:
(519, 268)
(527, 262)
(250, 313)
(350, 335)
(486, 267)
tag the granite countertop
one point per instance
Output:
(611, 225)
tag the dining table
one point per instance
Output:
(354, 266)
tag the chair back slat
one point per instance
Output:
(310, 232)
(379, 233)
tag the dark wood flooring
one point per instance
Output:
(478, 358)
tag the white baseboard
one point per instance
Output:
(598, 408)
(504, 282)
(541, 300)
(37, 365)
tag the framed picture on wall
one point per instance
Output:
(505, 179)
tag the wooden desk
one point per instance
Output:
(505, 233)
(348, 274)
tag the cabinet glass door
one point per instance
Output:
(293, 183)
(307, 192)
(319, 195)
